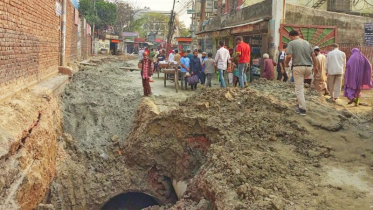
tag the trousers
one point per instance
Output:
(301, 72)
(243, 69)
(334, 85)
(209, 78)
(146, 86)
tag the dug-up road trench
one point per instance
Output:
(97, 144)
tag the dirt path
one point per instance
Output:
(234, 148)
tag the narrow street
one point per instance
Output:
(85, 126)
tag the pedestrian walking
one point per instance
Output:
(195, 69)
(243, 51)
(202, 76)
(335, 64)
(319, 78)
(268, 67)
(302, 55)
(209, 65)
(236, 73)
(222, 58)
(184, 64)
(147, 67)
(358, 74)
(281, 71)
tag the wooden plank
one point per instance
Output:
(88, 64)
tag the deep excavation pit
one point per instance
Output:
(219, 149)
(130, 201)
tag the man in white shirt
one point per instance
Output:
(335, 65)
(171, 58)
(141, 52)
(222, 59)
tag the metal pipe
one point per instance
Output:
(63, 39)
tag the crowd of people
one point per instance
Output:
(305, 63)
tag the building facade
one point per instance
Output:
(265, 24)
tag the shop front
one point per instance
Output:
(184, 43)
(256, 35)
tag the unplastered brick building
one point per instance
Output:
(31, 41)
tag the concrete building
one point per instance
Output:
(265, 24)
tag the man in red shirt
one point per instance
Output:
(243, 52)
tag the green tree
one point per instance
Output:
(183, 31)
(125, 13)
(156, 23)
(87, 10)
(136, 25)
(106, 12)
(103, 14)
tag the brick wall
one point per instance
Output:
(71, 33)
(30, 41)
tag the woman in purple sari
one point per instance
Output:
(358, 73)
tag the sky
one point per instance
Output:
(164, 5)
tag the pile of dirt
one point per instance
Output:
(99, 103)
(247, 149)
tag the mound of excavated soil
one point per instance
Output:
(100, 102)
(247, 149)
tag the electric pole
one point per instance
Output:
(171, 26)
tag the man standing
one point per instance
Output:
(243, 52)
(152, 54)
(301, 52)
(141, 52)
(195, 67)
(222, 58)
(147, 67)
(202, 77)
(189, 54)
(184, 63)
(177, 57)
(335, 64)
(281, 71)
(320, 76)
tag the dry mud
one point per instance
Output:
(235, 149)
(247, 149)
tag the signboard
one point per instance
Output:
(108, 36)
(58, 8)
(191, 11)
(139, 40)
(209, 6)
(130, 34)
(368, 34)
(242, 29)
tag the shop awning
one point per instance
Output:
(149, 43)
(229, 27)
(244, 24)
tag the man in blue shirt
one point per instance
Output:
(185, 64)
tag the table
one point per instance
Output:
(174, 72)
